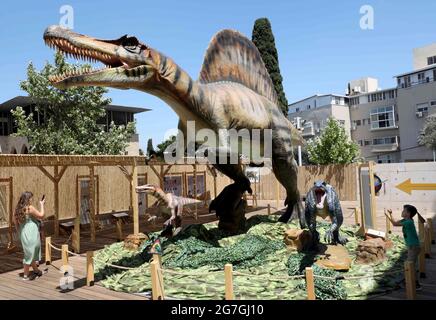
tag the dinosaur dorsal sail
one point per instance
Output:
(232, 57)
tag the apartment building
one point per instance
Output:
(120, 115)
(384, 123)
(315, 110)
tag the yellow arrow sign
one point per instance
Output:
(407, 186)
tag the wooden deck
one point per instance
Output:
(12, 287)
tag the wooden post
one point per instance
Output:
(47, 250)
(65, 254)
(310, 284)
(228, 274)
(75, 237)
(430, 226)
(269, 209)
(372, 189)
(195, 188)
(119, 228)
(409, 273)
(92, 201)
(156, 281)
(56, 201)
(427, 241)
(356, 216)
(214, 186)
(388, 224)
(156, 257)
(421, 231)
(255, 195)
(90, 268)
(134, 204)
(11, 214)
(421, 262)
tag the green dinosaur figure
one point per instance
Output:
(234, 91)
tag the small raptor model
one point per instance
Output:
(323, 201)
(234, 92)
(170, 205)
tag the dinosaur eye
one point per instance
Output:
(130, 43)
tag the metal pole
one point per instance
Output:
(300, 162)
(298, 121)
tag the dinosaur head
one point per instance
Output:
(129, 63)
(320, 192)
(146, 188)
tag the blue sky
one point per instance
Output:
(320, 43)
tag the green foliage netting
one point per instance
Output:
(195, 261)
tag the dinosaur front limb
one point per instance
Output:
(332, 236)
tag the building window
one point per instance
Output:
(367, 142)
(385, 140)
(382, 117)
(431, 60)
(354, 101)
(384, 159)
(363, 122)
(391, 94)
(360, 142)
(297, 109)
(421, 77)
(358, 123)
(407, 81)
(369, 120)
(422, 107)
(433, 103)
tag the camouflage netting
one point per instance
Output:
(195, 261)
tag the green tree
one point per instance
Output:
(70, 116)
(427, 136)
(332, 146)
(263, 38)
(150, 149)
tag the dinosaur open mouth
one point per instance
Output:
(320, 197)
(68, 49)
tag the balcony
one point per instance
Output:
(384, 128)
(380, 148)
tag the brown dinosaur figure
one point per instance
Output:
(234, 91)
(170, 204)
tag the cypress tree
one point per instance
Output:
(263, 38)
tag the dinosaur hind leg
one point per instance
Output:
(285, 170)
(229, 205)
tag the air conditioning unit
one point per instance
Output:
(419, 114)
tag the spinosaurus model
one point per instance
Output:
(323, 201)
(234, 91)
(170, 205)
